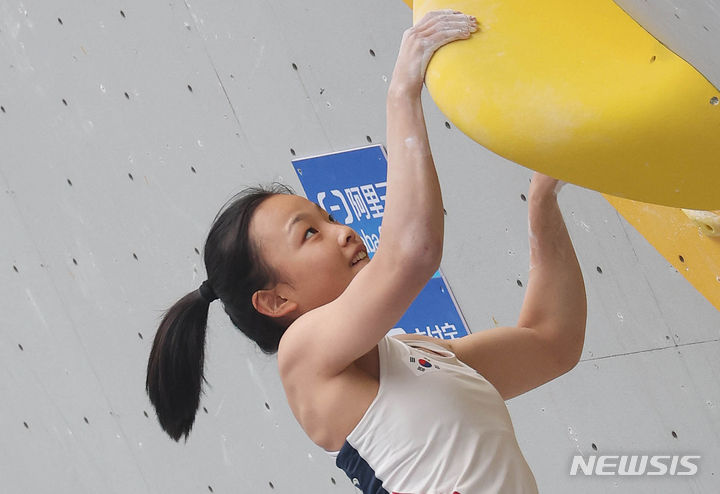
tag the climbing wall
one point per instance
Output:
(126, 125)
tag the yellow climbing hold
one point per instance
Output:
(576, 89)
(708, 221)
(695, 255)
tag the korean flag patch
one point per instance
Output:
(421, 365)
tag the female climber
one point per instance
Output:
(404, 414)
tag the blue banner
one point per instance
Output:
(351, 186)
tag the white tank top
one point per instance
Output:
(436, 426)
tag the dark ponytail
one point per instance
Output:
(235, 271)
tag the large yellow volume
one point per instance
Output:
(687, 242)
(578, 90)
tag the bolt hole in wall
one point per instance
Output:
(3, 109)
(447, 124)
(599, 269)
(372, 52)
(714, 100)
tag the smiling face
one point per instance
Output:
(313, 257)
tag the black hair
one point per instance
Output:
(235, 271)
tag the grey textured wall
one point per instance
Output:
(126, 125)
